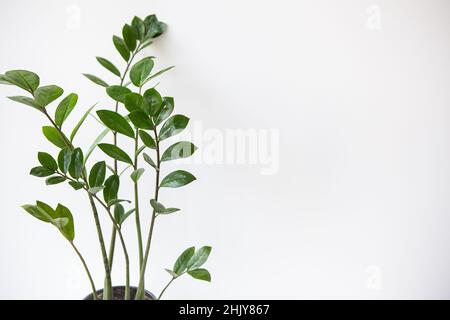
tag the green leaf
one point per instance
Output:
(95, 190)
(120, 215)
(67, 229)
(159, 207)
(115, 152)
(147, 139)
(98, 174)
(129, 36)
(134, 102)
(140, 71)
(116, 122)
(76, 163)
(154, 28)
(53, 135)
(173, 274)
(182, 149)
(96, 80)
(83, 118)
(64, 158)
(200, 274)
(47, 161)
(173, 126)
(54, 180)
(108, 65)
(150, 161)
(182, 261)
(41, 172)
(153, 101)
(111, 188)
(166, 111)
(95, 143)
(47, 94)
(121, 47)
(64, 108)
(115, 201)
(199, 258)
(76, 185)
(4, 79)
(140, 120)
(37, 212)
(27, 101)
(24, 79)
(47, 209)
(137, 174)
(139, 26)
(157, 74)
(118, 93)
(177, 179)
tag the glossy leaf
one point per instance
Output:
(157, 74)
(97, 174)
(182, 261)
(166, 111)
(64, 108)
(27, 101)
(67, 229)
(116, 122)
(140, 71)
(182, 149)
(54, 180)
(129, 36)
(111, 188)
(24, 79)
(108, 65)
(134, 102)
(173, 126)
(153, 101)
(96, 80)
(200, 274)
(76, 163)
(199, 258)
(47, 161)
(95, 143)
(140, 120)
(64, 158)
(118, 93)
(47, 209)
(115, 152)
(76, 185)
(139, 26)
(80, 123)
(159, 207)
(121, 47)
(120, 215)
(149, 160)
(37, 212)
(53, 135)
(147, 139)
(137, 174)
(177, 179)
(47, 94)
(41, 172)
(154, 28)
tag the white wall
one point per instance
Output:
(359, 205)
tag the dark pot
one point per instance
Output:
(119, 294)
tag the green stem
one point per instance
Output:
(94, 291)
(165, 288)
(136, 199)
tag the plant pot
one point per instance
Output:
(119, 294)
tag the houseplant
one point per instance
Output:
(141, 114)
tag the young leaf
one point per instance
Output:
(166, 111)
(134, 102)
(147, 139)
(129, 36)
(37, 212)
(54, 180)
(150, 161)
(97, 175)
(27, 101)
(41, 172)
(118, 93)
(177, 179)
(64, 158)
(68, 229)
(140, 120)
(120, 215)
(108, 65)
(173, 126)
(116, 122)
(200, 274)
(64, 108)
(182, 149)
(137, 174)
(47, 94)
(54, 136)
(24, 79)
(96, 80)
(115, 201)
(115, 152)
(77, 127)
(140, 71)
(95, 143)
(121, 47)
(182, 261)
(111, 188)
(199, 258)
(47, 161)
(159, 208)
(76, 163)
(153, 101)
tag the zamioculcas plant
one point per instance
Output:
(139, 114)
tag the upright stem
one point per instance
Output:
(136, 199)
(141, 289)
(94, 291)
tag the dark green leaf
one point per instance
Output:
(136, 174)
(140, 120)
(47, 161)
(76, 185)
(64, 158)
(134, 102)
(147, 139)
(173, 126)
(140, 71)
(116, 122)
(177, 179)
(54, 180)
(27, 101)
(157, 74)
(37, 212)
(65, 107)
(53, 135)
(182, 261)
(199, 258)
(182, 149)
(153, 101)
(77, 127)
(166, 111)
(121, 47)
(25, 79)
(154, 28)
(115, 152)
(118, 93)
(96, 80)
(47, 209)
(111, 188)
(120, 215)
(67, 229)
(76, 163)
(108, 65)
(139, 26)
(97, 175)
(200, 274)
(41, 172)
(150, 161)
(129, 36)
(47, 94)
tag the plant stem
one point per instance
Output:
(94, 291)
(164, 290)
(141, 289)
(136, 199)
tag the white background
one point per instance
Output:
(359, 207)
